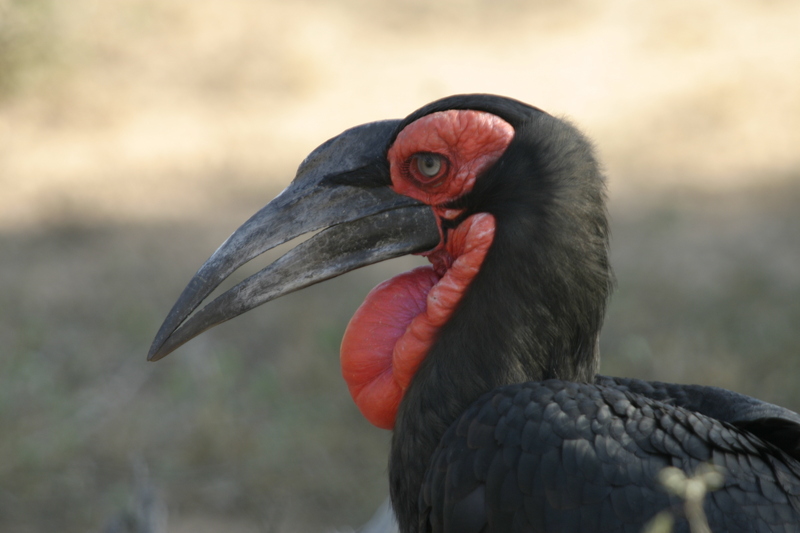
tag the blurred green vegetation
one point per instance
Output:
(28, 43)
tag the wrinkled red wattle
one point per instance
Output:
(392, 331)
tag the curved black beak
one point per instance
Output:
(342, 189)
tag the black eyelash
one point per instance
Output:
(422, 180)
(405, 166)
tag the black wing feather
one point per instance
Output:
(557, 456)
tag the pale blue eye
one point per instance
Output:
(429, 165)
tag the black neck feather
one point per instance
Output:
(535, 309)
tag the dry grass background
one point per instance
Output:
(136, 134)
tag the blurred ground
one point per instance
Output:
(135, 135)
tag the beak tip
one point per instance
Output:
(154, 355)
(159, 350)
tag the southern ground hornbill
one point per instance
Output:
(484, 363)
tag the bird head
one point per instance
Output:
(506, 202)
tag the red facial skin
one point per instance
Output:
(395, 327)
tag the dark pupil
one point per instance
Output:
(429, 165)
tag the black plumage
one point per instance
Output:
(562, 456)
(535, 309)
(505, 425)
